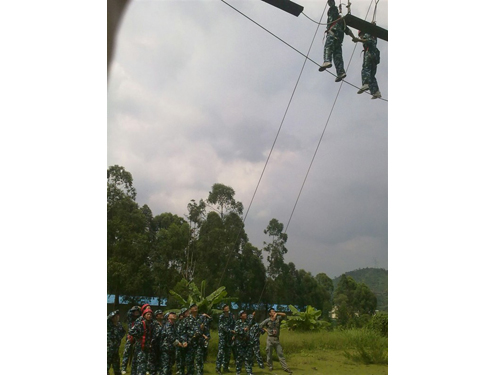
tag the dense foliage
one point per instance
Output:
(187, 293)
(307, 320)
(354, 302)
(150, 255)
(377, 279)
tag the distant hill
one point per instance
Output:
(376, 279)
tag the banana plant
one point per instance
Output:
(197, 295)
(305, 321)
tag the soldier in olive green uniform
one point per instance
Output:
(272, 326)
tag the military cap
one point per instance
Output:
(113, 313)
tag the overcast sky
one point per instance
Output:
(196, 96)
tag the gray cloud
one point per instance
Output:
(196, 95)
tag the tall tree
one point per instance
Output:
(127, 249)
(276, 248)
(353, 301)
(222, 197)
(221, 237)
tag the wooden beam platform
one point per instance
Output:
(286, 5)
(368, 27)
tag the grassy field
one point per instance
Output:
(352, 352)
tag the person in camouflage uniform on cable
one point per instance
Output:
(272, 326)
(142, 332)
(128, 354)
(371, 59)
(182, 349)
(194, 328)
(115, 335)
(169, 342)
(226, 333)
(255, 332)
(244, 351)
(335, 30)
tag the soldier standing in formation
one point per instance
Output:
(243, 347)
(128, 351)
(226, 332)
(169, 342)
(255, 332)
(143, 331)
(182, 349)
(156, 344)
(115, 335)
(195, 332)
(272, 326)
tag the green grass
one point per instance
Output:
(350, 352)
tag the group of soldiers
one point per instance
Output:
(336, 28)
(156, 342)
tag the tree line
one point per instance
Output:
(149, 255)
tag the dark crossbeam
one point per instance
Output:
(362, 25)
(286, 5)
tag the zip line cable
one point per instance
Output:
(319, 23)
(324, 130)
(276, 138)
(289, 45)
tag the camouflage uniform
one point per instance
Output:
(370, 61)
(273, 341)
(206, 332)
(243, 344)
(334, 38)
(181, 352)
(142, 332)
(169, 340)
(115, 335)
(194, 353)
(156, 347)
(255, 332)
(226, 331)
(128, 351)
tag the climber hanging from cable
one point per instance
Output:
(335, 30)
(371, 58)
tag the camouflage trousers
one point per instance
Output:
(274, 342)
(142, 362)
(180, 356)
(223, 354)
(244, 354)
(194, 359)
(368, 72)
(255, 348)
(128, 352)
(114, 361)
(333, 50)
(167, 361)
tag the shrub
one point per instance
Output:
(380, 323)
